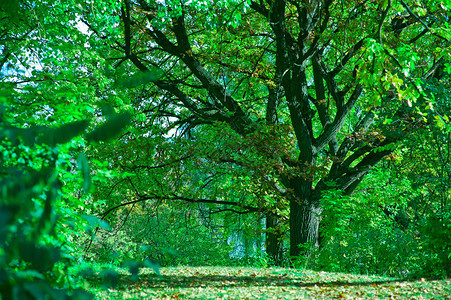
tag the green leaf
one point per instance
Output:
(30, 274)
(153, 265)
(110, 128)
(83, 166)
(110, 278)
(42, 258)
(11, 8)
(448, 68)
(138, 79)
(63, 134)
(439, 122)
(107, 110)
(28, 135)
(133, 267)
(94, 221)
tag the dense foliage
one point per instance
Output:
(311, 134)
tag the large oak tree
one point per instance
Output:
(342, 79)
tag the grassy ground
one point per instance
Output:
(270, 283)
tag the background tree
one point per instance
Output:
(425, 162)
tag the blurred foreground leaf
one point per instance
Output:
(138, 79)
(83, 166)
(110, 128)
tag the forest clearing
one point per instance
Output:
(234, 149)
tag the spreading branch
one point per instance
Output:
(175, 197)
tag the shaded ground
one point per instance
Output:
(270, 283)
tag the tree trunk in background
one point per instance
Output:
(274, 239)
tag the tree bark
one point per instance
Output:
(304, 224)
(305, 213)
(274, 239)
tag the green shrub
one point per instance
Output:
(169, 237)
(34, 262)
(36, 217)
(436, 243)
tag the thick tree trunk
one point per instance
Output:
(304, 224)
(305, 216)
(274, 239)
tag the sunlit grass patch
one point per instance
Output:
(268, 283)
